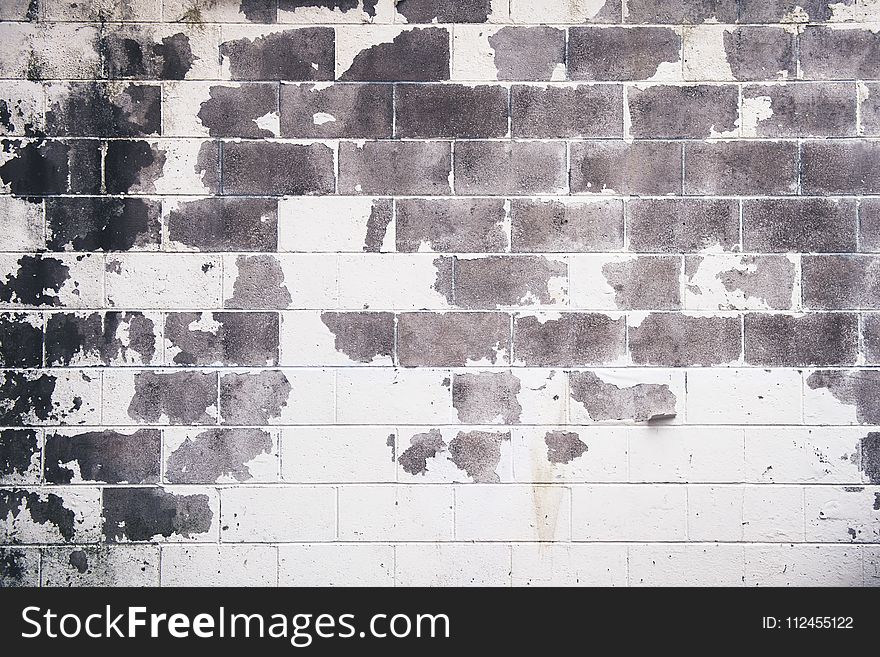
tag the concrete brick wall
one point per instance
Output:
(350, 292)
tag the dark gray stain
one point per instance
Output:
(510, 167)
(217, 453)
(101, 224)
(682, 225)
(103, 456)
(642, 402)
(286, 55)
(645, 283)
(478, 453)
(42, 167)
(422, 446)
(28, 396)
(760, 53)
(140, 514)
(240, 339)
(79, 560)
(361, 336)
(13, 567)
(876, 502)
(341, 5)
(36, 282)
(183, 397)
(676, 340)
(418, 54)
(553, 226)
(392, 445)
(233, 111)
(15, 118)
(486, 397)
(41, 509)
(253, 398)
(450, 110)
(564, 446)
(138, 56)
(132, 165)
(21, 342)
(456, 225)
(395, 167)
(857, 388)
(620, 53)
(572, 340)
(95, 109)
(443, 11)
(768, 278)
(445, 267)
(359, 110)
(870, 457)
(225, 224)
(97, 335)
(527, 53)
(494, 281)
(17, 450)
(681, 112)
(783, 340)
(452, 339)
(259, 284)
(258, 11)
(377, 225)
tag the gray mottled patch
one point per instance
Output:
(102, 224)
(395, 167)
(100, 109)
(445, 267)
(259, 284)
(680, 340)
(573, 340)
(858, 388)
(381, 214)
(442, 11)
(182, 397)
(225, 224)
(233, 111)
(361, 336)
(806, 225)
(142, 514)
(486, 397)
(450, 225)
(103, 456)
(132, 166)
(745, 167)
(391, 443)
(238, 338)
(760, 53)
(682, 225)
(19, 567)
(870, 457)
(615, 166)
(76, 338)
(286, 55)
(564, 446)
(528, 53)
(273, 168)
(780, 340)
(620, 53)
(478, 453)
(683, 111)
(253, 398)
(452, 339)
(642, 402)
(769, 278)
(422, 446)
(510, 167)
(584, 110)
(217, 453)
(834, 282)
(135, 52)
(645, 283)
(358, 110)
(553, 226)
(450, 110)
(101, 566)
(494, 281)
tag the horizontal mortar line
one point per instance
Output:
(520, 310)
(355, 24)
(176, 368)
(268, 485)
(439, 139)
(597, 196)
(429, 424)
(432, 541)
(647, 82)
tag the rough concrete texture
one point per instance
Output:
(301, 291)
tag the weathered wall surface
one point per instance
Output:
(441, 292)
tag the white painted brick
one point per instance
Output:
(512, 513)
(744, 396)
(395, 513)
(336, 564)
(842, 515)
(803, 455)
(163, 281)
(605, 458)
(569, 564)
(685, 454)
(715, 513)
(338, 455)
(275, 513)
(773, 513)
(401, 281)
(219, 565)
(21, 224)
(385, 396)
(686, 565)
(629, 513)
(452, 564)
(542, 396)
(871, 556)
(327, 223)
(556, 11)
(803, 565)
